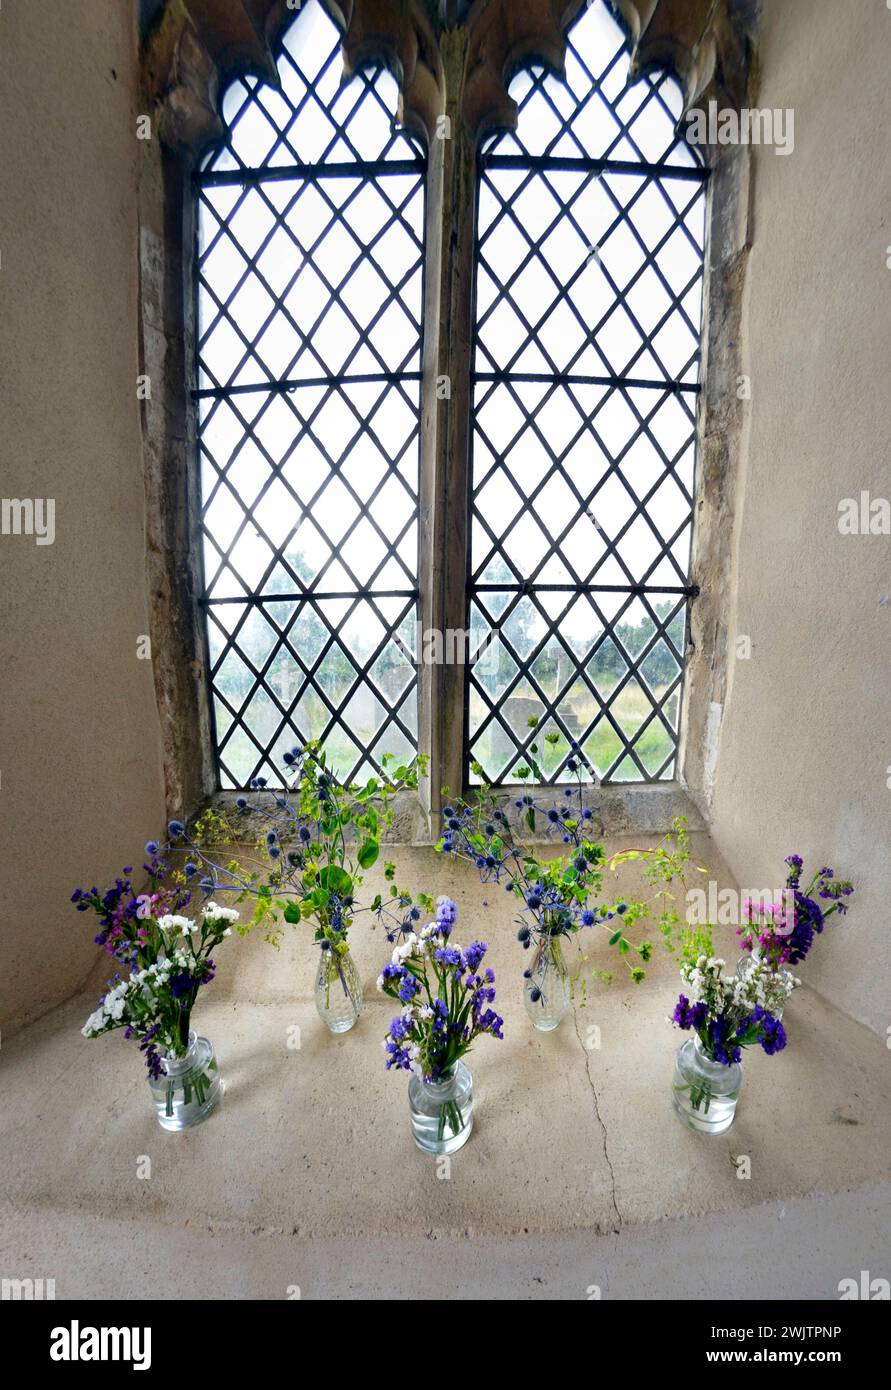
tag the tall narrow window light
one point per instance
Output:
(309, 268)
(586, 369)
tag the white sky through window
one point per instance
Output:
(589, 301)
(309, 314)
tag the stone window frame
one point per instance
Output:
(453, 60)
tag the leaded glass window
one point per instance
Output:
(309, 286)
(586, 371)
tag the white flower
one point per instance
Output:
(406, 949)
(380, 982)
(214, 913)
(94, 1023)
(169, 921)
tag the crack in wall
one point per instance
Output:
(612, 1175)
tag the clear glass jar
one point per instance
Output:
(442, 1111)
(705, 1092)
(548, 992)
(338, 991)
(188, 1088)
(744, 964)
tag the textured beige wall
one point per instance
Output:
(80, 750)
(805, 745)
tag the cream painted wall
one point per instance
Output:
(805, 745)
(80, 759)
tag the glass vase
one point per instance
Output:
(188, 1088)
(338, 991)
(705, 1092)
(442, 1111)
(547, 993)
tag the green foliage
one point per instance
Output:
(572, 880)
(667, 867)
(325, 835)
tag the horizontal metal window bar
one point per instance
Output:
(311, 596)
(294, 384)
(310, 173)
(571, 379)
(690, 590)
(571, 164)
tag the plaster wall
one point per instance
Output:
(80, 764)
(805, 748)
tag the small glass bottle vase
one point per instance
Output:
(338, 991)
(188, 1088)
(705, 1092)
(442, 1111)
(547, 991)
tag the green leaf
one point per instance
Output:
(368, 853)
(336, 880)
(292, 912)
(616, 936)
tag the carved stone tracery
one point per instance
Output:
(196, 46)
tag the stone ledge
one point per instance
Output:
(619, 810)
(784, 1250)
(570, 1142)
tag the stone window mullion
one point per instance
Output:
(445, 443)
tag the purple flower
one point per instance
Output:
(181, 984)
(409, 988)
(772, 1033)
(688, 1016)
(808, 918)
(474, 955)
(399, 1029)
(446, 912)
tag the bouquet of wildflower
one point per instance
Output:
(317, 836)
(167, 956)
(728, 1014)
(558, 894)
(782, 933)
(446, 1001)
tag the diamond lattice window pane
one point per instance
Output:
(586, 368)
(310, 259)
